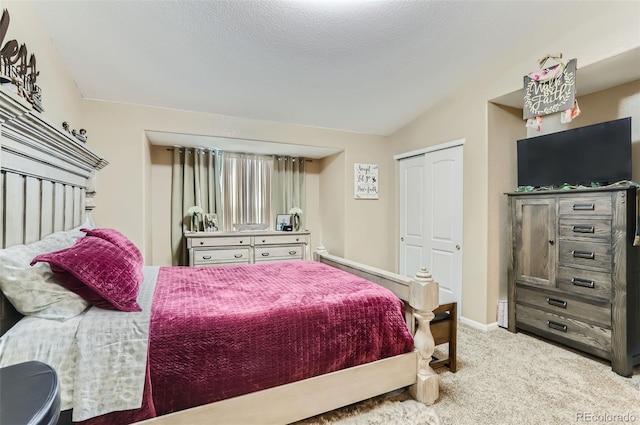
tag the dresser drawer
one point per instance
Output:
(221, 241)
(278, 253)
(279, 239)
(584, 282)
(586, 205)
(592, 229)
(214, 256)
(587, 254)
(563, 328)
(565, 306)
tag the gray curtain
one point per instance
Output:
(289, 189)
(195, 181)
(246, 189)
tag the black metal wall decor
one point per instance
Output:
(16, 71)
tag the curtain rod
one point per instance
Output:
(214, 150)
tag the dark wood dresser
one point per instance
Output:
(573, 273)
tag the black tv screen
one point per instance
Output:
(599, 153)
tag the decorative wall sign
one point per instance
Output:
(366, 181)
(546, 93)
(16, 72)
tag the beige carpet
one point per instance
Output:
(509, 379)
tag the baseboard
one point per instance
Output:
(480, 326)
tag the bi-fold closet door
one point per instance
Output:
(431, 218)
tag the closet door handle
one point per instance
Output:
(557, 326)
(584, 229)
(584, 207)
(557, 303)
(585, 283)
(583, 254)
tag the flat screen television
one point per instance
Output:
(599, 153)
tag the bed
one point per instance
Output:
(47, 180)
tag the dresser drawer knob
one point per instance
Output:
(237, 255)
(201, 242)
(584, 229)
(264, 240)
(585, 283)
(557, 303)
(557, 326)
(297, 239)
(265, 254)
(583, 254)
(584, 207)
(206, 257)
(293, 252)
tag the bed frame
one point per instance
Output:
(47, 178)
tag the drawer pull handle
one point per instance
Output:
(557, 303)
(237, 255)
(557, 326)
(201, 242)
(265, 254)
(583, 254)
(297, 239)
(241, 241)
(263, 241)
(584, 207)
(585, 283)
(206, 257)
(293, 252)
(584, 229)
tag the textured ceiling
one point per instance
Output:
(363, 66)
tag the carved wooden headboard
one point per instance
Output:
(46, 176)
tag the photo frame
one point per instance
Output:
(283, 221)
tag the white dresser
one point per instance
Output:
(220, 248)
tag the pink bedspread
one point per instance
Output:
(225, 331)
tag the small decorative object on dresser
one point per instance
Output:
(282, 220)
(210, 222)
(194, 213)
(295, 212)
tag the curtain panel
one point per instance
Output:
(195, 181)
(289, 185)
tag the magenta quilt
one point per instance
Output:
(221, 332)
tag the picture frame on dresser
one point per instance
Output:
(282, 220)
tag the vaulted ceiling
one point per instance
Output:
(363, 66)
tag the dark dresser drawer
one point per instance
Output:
(590, 229)
(564, 328)
(565, 306)
(586, 254)
(584, 282)
(586, 205)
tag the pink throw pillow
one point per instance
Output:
(119, 240)
(99, 271)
